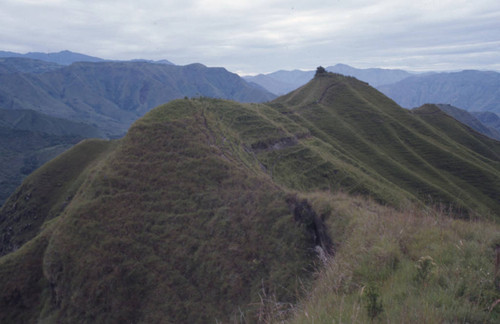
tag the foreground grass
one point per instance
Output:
(407, 266)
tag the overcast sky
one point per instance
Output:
(259, 36)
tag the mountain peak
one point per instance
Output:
(320, 71)
(324, 88)
(342, 65)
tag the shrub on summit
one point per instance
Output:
(320, 71)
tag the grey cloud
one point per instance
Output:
(262, 36)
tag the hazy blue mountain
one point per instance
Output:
(153, 61)
(488, 118)
(281, 82)
(374, 76)
(112, 95)
(470, 120)
(26, 65)
(470, 90)
(63, 57)
(68, 57)
(270, 84)
(295, 76)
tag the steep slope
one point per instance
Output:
(470, 90)
(470, 120)
(391, 151)
(114, 94)
(170, 225)
(29, 139)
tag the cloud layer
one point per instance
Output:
(263, 36)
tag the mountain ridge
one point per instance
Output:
(282, 82)
(25, 65)
(66, 57)
(62, 58)
(180, 162)
(211, 209)
(112, 95)
(488, 118)
(470, 90)
(470, 120)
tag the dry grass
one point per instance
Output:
(385, 247)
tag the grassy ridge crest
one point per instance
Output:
(170, 226)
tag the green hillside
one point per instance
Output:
(402, 152)
(216, 211)
(470, 120)
(168, 225)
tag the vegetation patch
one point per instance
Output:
(407, 266)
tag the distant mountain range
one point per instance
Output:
(46, 107)
(112, 95)
(9, 65)
(282, 82)
(67, 57)
(374, 76)
(62, 58)
(470, 90)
